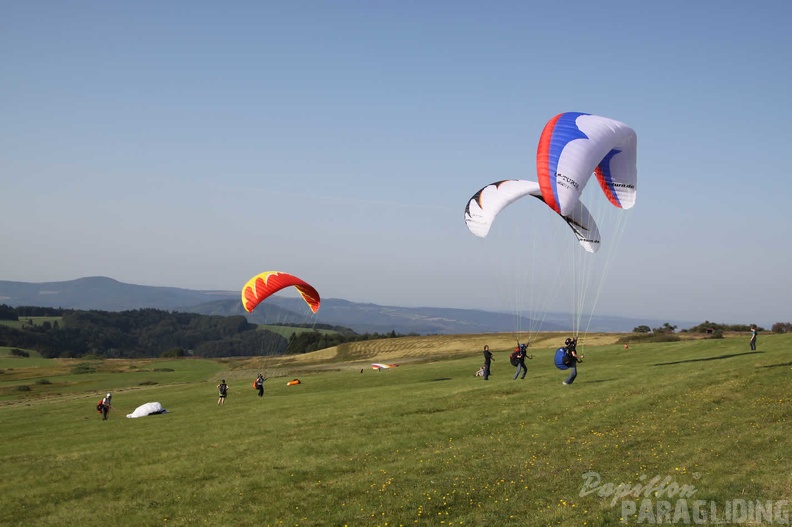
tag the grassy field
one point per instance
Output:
(30, 321)
(425, 443)
(288, 331)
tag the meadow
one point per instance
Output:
(425, 443)
(30, 321)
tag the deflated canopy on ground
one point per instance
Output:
(265, 284)
(147, 409)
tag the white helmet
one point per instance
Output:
(108, 396)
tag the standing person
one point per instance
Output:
(259, 384)
(522, 354)
(487, 360)
(753, 337)
(104, 406)
(222, 390)
(574, 357)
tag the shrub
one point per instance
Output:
(23, 388)
(16, 352)
(782, 327)
(147, 383)
(83, 368)
(164, 369)
(43, 381)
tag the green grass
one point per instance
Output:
(426, 443)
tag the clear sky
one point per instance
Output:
(195, 144)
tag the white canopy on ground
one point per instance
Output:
(147, 409)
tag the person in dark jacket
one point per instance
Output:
(104, 406)
(222, 391)
(521, 355)
(260, 384)
(487, 360)
(574, 358)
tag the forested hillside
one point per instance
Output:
(139, 333)
(57, 332)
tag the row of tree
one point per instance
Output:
(714, 327)
(156, 333)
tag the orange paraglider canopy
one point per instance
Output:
(294, 382)
(263, 285)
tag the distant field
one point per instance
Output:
(6, 352)
(285, 331)
(288, 331)
(425, 443)
(26, 321)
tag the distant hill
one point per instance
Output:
(107, 294)
(102, 293)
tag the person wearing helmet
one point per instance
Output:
(519, 360)
(573, 357)
(104, 406)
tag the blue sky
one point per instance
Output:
(195, 144)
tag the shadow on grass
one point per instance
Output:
(600, 380)
(440, 379)
(719, 357)
(776, 365)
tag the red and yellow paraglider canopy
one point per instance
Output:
(263, 285)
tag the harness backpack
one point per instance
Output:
(560, 359)
(513, 359)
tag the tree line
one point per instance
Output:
(156, 333)
(714, 327)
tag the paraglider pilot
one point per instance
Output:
(105, 406)
(259, 384)
(487, 360)
(222, 390)
(521, 353)
(573, 357)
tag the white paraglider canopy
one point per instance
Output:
(147, 409)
